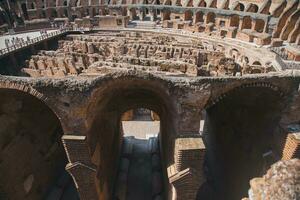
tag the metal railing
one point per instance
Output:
(33, 41)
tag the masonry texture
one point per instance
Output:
(219, 79)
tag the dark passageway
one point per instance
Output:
(140, 175)
(240, 135)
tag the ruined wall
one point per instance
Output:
(31, 153)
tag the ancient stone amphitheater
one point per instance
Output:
(220, 77)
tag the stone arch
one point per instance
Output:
(239, 7)
(278, 11)
(252, 8)
(188, 15)
(247, 22)
(213, 4)
(290, 25)
(190, 3)
(225, 5)
(202, 3)
(118, 96)
(256, 63)
(32, 5)
(32, 153)
(24, 10)
(168, 2)
(234, 53)
(284, 16)
(234, 20)
(166, 14)
(259, 25)
(252, 117)
(210, 17)
(54, 13)
(199, 17)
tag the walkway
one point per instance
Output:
(31, 35)
(140, 176)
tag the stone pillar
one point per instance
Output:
(292, 146)
(141, 14)
(153, 15)
(240, 23)
(187, 173)
(80, 167)
(253, 24)
(266, 26)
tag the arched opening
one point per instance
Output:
(234, 21)
(77, 3)
(190, 3)
(166, 14)
(210, 18)
(259, 25)
(105, 138)
(66, 13)
(24, 10)
(252, 8)
(234, 53)
(256, 63)
(199, 17)
(188, 15)
(239, 7)
(213, 4)
(65, 3)
(54, 13)
(241, 140)
(168, 2)
(32, 5)
(32, 155)
(247, 23)
(202, 3)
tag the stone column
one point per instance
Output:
(80, 167)
(153, 15)
(141, 14)
(240, 23)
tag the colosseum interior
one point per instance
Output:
(149, 99)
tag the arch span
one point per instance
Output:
(241, 136)
(31, 152)
(104, 135)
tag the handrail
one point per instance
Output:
(33, 41)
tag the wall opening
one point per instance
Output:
(24, 10)
(239, 7)
(234, 21)
(202, 3)
(211, 17)
(31, 152)
(247, 23)
(140, 123)
(240, 136)
(123, 100)
(199, 17)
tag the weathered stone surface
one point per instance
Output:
(280, 182)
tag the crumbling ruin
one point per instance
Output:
(220, 77)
